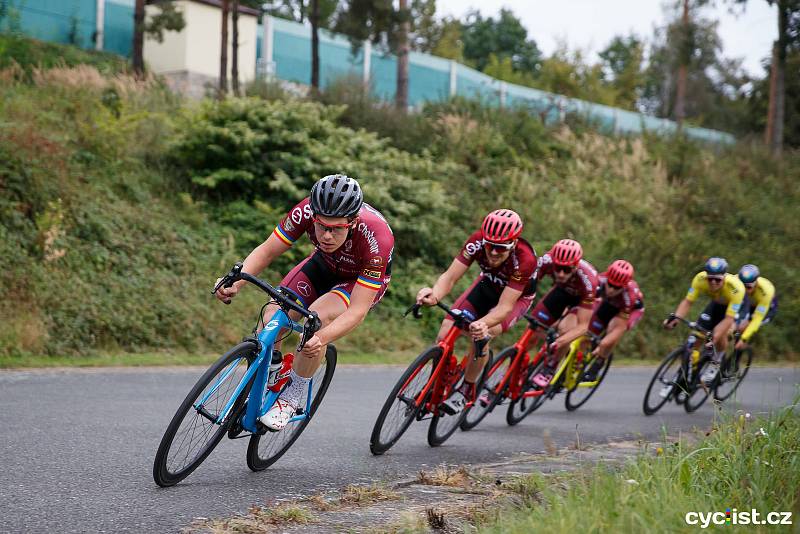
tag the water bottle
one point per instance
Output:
(274, 367)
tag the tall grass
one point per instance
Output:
(744, 463)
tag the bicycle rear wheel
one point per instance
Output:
(732, 373)
(578, 396)
(697, 392)
(264, 449)
(522, 407)
(400, 409)
(194, 432)
(657, 393)
(488, 398)
(443, 425)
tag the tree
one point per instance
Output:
(401, 94)
(622, 69)
(168, 18)
(235, 49)
(223, 54)
(503, 37)
(314, 45)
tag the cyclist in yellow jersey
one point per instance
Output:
(726, 292)
(760, 304)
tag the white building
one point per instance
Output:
(189, 59)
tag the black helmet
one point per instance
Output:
(336, 195)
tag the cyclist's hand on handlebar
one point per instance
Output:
(478, 330)
(312, 347)
(670, 322)
(225, 294)
(426, 298)
(741, 344)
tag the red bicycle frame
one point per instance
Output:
(515, 376)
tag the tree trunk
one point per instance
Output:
(235, 49)
(780, 71)
(680, 92)
(401, 94)
(314, 18)
(138, 39)
(769, 131)
(302, 11)
(223, 54)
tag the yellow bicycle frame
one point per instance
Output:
(569, 365)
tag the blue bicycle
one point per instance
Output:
(235, 391)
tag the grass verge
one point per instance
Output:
(743, 463)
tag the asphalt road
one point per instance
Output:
(78, 445)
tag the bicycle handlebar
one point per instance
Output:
(312, 324)
(691, 324)
(459, 318)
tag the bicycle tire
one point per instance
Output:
(572, 406)
(697, 390)
(526, 405)
(280, 442)
(745, 356)
(394, 406)
(163, 474)
(658, 377)
(444, 425)
(497, 370)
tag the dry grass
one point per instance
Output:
(88, 77)
(362, 495)
(445, 476)
(258, 520)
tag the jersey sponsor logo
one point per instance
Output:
(543, 315)
(585, 279)
(494, 278)
(370, 237)
(597, 324)
(347, 259)
(303, 288)
(516, 276)
(375, 261)
(348, 245)
(287, 225)
(735, 307)
(761, 309)
(298, 214)
(472, 248)
(372, 274)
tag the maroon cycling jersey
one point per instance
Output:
(365, 256)
(627, 300)
(515, 272)
(582, 283)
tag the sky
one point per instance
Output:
(590, 24)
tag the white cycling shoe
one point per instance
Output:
(279, 415)
(710, 373)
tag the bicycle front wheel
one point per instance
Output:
(522, 407)
(732, 373)
(263, 450)
(443, 424)
(578, 396)
(488, 397)
(662, 386)
(401, 406)
(194, 430)
(697, 392)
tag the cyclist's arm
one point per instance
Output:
(584, 315)
(262, 256)
(762, 306)
(361, 299)
(444, 285)
(505, 305)
(683, 308)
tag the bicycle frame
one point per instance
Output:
(260, 368)
(448, 362)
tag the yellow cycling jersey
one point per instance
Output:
(731, 292)
(760, 300)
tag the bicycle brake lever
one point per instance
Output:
(309, 329)
(480, 344)
(414, 310)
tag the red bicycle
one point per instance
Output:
(509, 377)
(422, 388)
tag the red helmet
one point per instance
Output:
(566, 252)
(619, 273)
(501, 226)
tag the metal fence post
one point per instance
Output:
(453, 78)
(99, 23)
(367, 49)
(268, 64)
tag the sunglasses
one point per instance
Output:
(614, 286)
(750, 285)
(715, 279)
(332, 228)
(564, 268)
(498, 247)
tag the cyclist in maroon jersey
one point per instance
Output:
(345, 276)
(497, 298)
(618, 308)
(573, 292)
